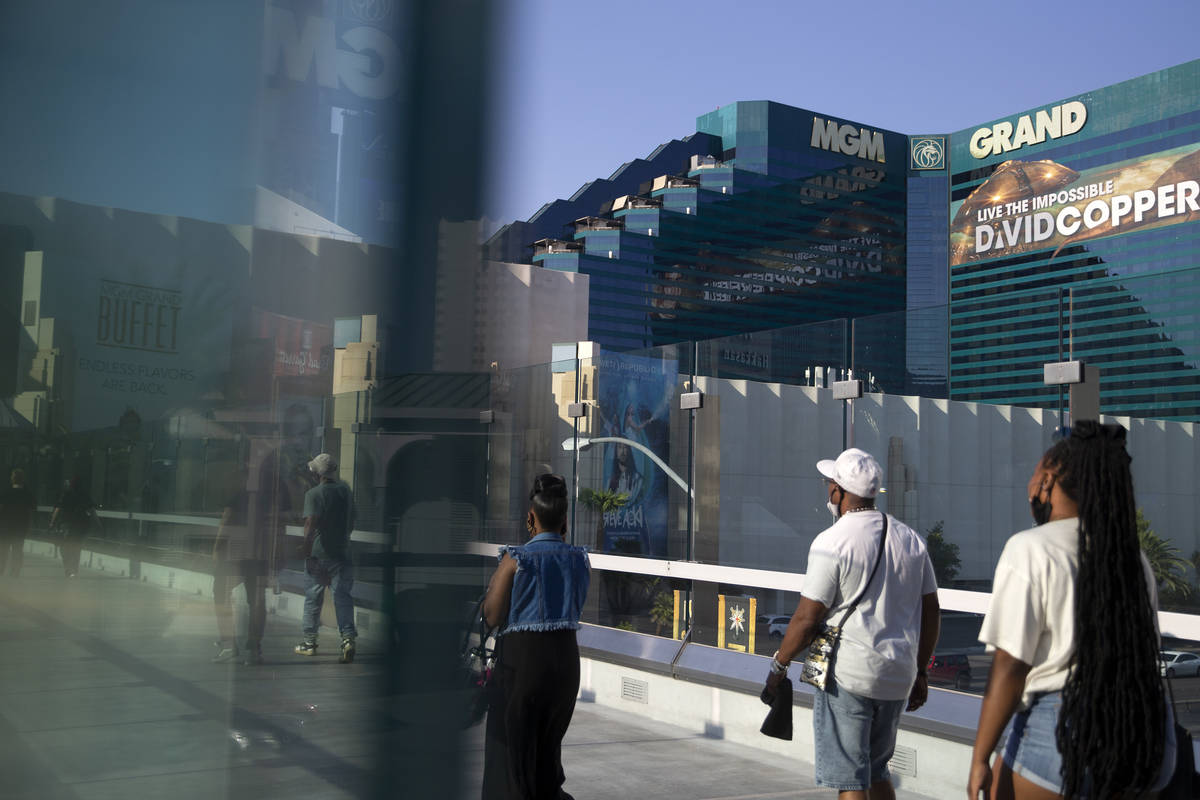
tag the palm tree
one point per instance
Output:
(663, 610)
(602, 501)
(1168, 566)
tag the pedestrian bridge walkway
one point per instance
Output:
(107, 691)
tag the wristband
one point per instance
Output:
(776, 667)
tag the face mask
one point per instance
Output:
(1041, 508)
(833, 507)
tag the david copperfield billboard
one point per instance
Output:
(1028, 205)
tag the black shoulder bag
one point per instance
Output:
(1185, 783)
(477, 659)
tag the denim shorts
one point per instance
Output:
(1032, 751)
(855, 737)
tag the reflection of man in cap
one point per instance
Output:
(889, 620)
(328, 521)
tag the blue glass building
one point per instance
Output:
(768, 216)
(1064, 232)
(1075, 235)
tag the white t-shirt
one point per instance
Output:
(877, 656)
(1031, 615)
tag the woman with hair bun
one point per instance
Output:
(535, 597)
(1073, 624)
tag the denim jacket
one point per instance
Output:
(550, 584)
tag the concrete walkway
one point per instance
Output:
(107, 691)
(612, 755)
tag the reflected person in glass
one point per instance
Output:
(17, 510)
(75, 512)
(1072, 623)
(329, 517)
(239, 557)
(535, 597)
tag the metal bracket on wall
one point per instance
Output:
(847, 390)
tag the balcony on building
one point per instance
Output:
(627, 201)
(557, 254)
(585, 224)
(673, 182)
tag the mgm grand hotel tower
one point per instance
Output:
(969, 259)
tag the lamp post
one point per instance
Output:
(583, 442)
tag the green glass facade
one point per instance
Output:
(1075, 234)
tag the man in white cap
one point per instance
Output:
(891, 625)
(328, 521)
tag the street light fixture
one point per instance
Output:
(583, 442)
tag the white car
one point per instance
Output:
(1173, 663)
(773, 625)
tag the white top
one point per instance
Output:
(1031, 615)
(877, 656)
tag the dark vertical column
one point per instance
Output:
(441, 175)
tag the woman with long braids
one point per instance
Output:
(536, 596)
(1073, 625)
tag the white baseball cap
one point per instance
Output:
(855, 470)
(323, 465)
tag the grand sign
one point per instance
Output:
(1053, 123)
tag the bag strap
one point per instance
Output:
(1171, 697)
(867, 585)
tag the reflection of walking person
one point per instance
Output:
(536, 595)
(17, 507)
(74, 512)
(328, 521)
(239, 557)
(1072, 623)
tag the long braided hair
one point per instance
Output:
(1111, 729)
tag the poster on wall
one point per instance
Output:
(152, 340)
(302, 347)
(1043, 205)
(634, 404)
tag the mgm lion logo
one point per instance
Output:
(928, 152)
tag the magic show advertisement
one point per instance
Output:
(634, 404)
(1043, 205)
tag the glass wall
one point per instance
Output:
(699, 512)
(211, 217)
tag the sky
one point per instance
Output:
(581, 88)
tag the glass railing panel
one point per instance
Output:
(633, 453)
(527, 420)
(759, 497)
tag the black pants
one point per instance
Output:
(71, 548)
(12, 553)
(536, 680)
(226, 577)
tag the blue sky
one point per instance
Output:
(583, 87)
